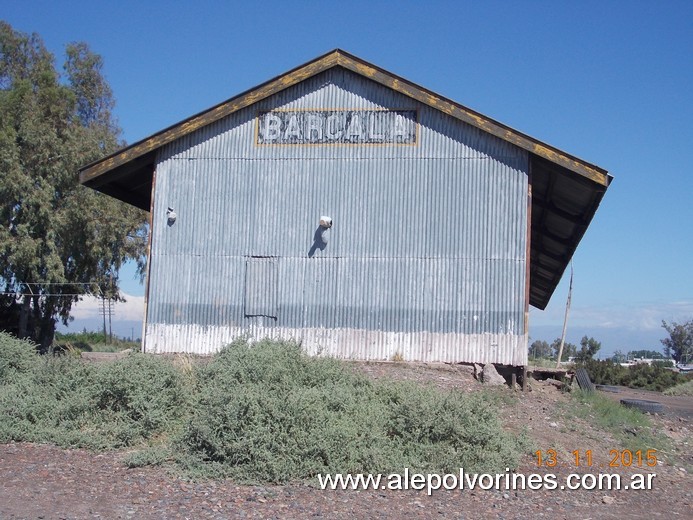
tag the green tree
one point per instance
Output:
(58, 239)
(679, 344)
(588, 348)
(619, 357)
(569, 350)
(539, 349)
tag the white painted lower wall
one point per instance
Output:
(355, 344)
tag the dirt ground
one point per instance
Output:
(42, 481)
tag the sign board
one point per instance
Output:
(343, 127)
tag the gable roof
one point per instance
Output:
(566, 191)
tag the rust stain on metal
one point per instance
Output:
(573, 165)
(361, 68)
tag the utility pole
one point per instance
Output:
(110, 325)
(103, 313)
(107, 311)
(111, 295)
(565, 319)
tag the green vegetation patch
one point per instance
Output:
(682, 389)
(256, 413)
(90, 342)
(65, 401)
(268, 412)
(650, 377)
(17, 358)
(631, 427)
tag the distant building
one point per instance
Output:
(347, 208)
(639, 361)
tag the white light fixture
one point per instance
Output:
(326, 222)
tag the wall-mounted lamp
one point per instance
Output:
(326, 222)
(321, 236)
(170, 216)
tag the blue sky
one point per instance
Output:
(608, 81)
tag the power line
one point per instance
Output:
(49, 294)
(97, 284)
(59, 283)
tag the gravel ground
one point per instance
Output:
(42, 481)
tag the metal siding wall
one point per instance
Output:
(428, 208)
(426, 257)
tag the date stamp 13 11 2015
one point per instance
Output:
(584, 458)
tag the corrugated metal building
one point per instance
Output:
(347, 208)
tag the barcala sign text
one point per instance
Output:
(282, 127)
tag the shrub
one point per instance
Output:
(444, 431)
(682, 389)
(139, 396)
(16, 357)
(271, 413)
(641, 375)
(52, 402)
(71, 403)
(265, 412)
(632, 428)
